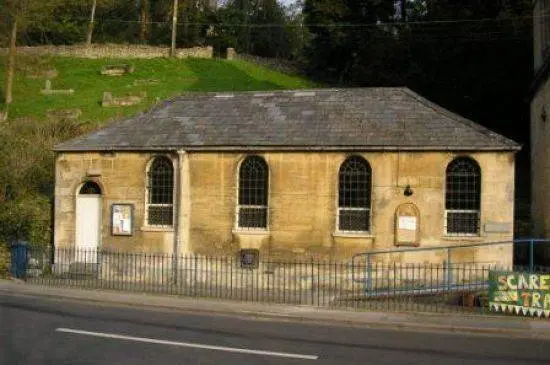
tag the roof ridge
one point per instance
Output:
(457, 117)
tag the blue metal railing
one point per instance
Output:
(447, 265)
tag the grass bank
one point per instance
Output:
(158, 78)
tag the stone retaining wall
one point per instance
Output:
(115, 51)
(280, 65)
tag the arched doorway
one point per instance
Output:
(88, 222)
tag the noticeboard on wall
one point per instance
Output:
(122, 219)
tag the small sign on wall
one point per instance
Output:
(407, 225)
(249, 258)
(122, 217)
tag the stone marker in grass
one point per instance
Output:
(49, 91)
(117, 70)
(110, 101)
(67, 114)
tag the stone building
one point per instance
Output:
(540, 118)
(318, 173)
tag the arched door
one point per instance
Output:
(88, 222)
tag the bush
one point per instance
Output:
(27, 178)
(4, 260)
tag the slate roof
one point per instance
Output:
(326, 119)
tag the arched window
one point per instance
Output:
(160, 192)
(462, 196)
(253, 192)
(354, 195)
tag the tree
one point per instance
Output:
(346, 35)
(91, 23)
(19, 13)
(259, 27)
(174, 28)
(144, 20)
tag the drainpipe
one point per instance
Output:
(176, 220)
(178, 211)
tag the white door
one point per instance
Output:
(88, 227)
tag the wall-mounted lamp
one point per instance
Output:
(408, 191)
(543, 114)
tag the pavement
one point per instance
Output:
(495, 325)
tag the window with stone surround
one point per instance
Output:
(354, 195)
(253, 194)
(160, 192)
(462, 197)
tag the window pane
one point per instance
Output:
(354, 220)
(463, 222)
(253, 217)
(463, 185)
(253, 181)
(161, 216)
(354, 183)
(161, 190)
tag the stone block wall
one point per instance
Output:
(122, 178)
(540, 161)
(281, 65)
(115, 51)
(303, 204)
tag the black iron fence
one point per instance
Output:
(356, 284)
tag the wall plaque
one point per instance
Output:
(249, 258)
(407, 225)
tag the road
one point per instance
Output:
(36, 330)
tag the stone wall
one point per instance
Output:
(115, 51)
(302, 204)
(122, 179)
(280, 65)
(539, 19)
(540, 161)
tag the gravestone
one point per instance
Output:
(47, 90)
(231, 54)
(110, 101)
(142, 82)
(117, 70)
(66, 114)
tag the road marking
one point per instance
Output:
(187, 344)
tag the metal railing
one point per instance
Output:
(443, 255)
(362, 283)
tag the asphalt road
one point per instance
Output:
(36, 330)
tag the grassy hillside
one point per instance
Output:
(158, 78)
(27, 138)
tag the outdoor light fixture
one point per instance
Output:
(408, 191)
